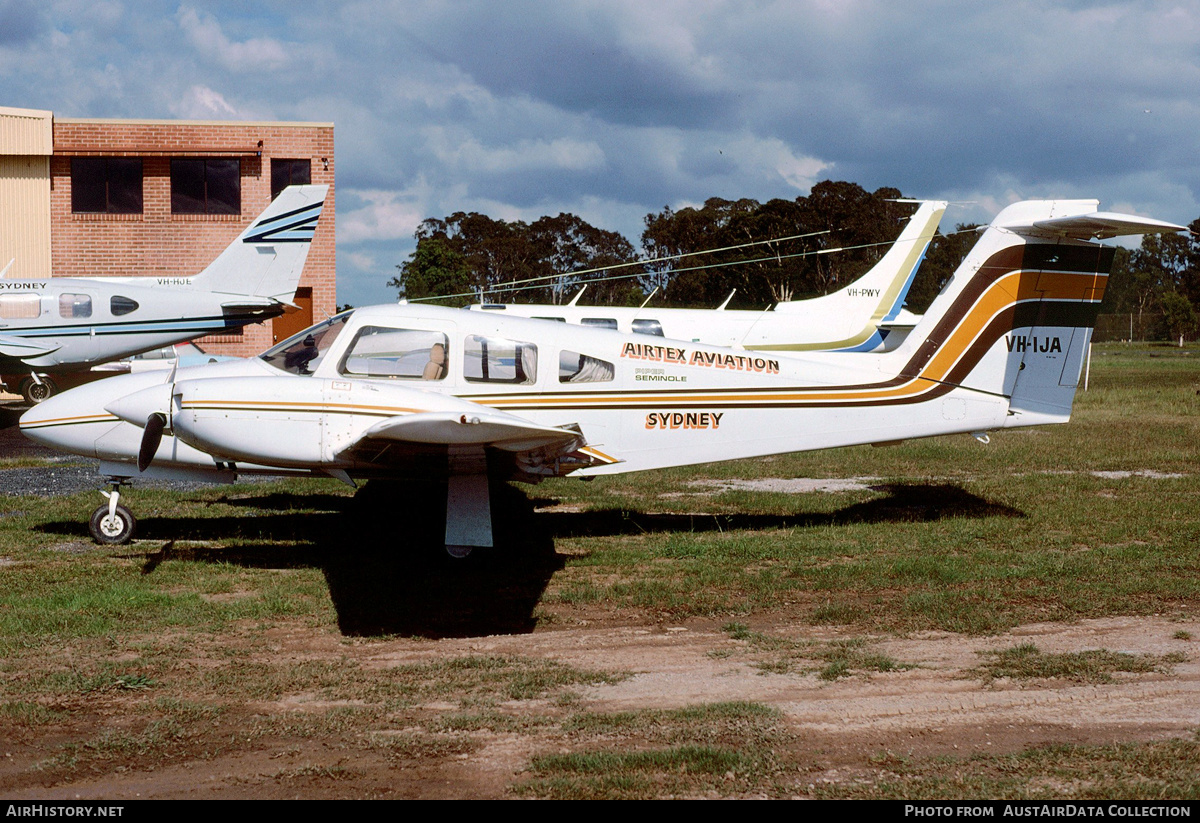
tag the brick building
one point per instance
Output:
(94, 198)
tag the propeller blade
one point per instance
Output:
(151, 437)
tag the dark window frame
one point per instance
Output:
(289, 172)
(198, 187)
(114, 175)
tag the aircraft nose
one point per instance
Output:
(46, 413)
(136, 408)
(56, 422)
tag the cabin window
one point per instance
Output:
(74, 305)
(302, 353)
(647, 327)
(119, 305)
(555, 319)
(397, 353)
(496, 360)
(20, 306)
(599, 322)
(286, 173)
(106, 185)
(574, 367)
(206, 186)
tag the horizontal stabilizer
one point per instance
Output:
(1100, 225)
(503, 431)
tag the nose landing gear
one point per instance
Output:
(112, 523)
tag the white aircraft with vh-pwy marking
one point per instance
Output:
(461, 397)
(64, 323)
(865, 315)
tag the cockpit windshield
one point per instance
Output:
(302, 353)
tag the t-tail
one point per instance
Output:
(1016, 318)
(874, 301)
(263, 265)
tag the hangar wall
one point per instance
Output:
(101, 197)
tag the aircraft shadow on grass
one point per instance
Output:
(388, 573)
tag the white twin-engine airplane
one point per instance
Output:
(460, 397)
(65, 323)
(866, 315)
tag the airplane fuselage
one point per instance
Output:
(640, 403)
(786, 327)
(63, 323)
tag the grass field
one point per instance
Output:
(166, 652)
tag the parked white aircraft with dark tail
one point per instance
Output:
(64, 323)
(866, 315)
(462, 398)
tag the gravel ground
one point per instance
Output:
(62, 474)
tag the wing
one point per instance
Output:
(20, 348)
(535, 449)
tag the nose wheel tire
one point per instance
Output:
(114, 528)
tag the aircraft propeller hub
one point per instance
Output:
(137, 408)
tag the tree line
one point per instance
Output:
(769, 252)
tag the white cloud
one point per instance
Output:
(774, 156)
(384, 215)
(201, 103)
(612, 109)
(206, 35)
(471, 155)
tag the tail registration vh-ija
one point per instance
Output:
(463, 397)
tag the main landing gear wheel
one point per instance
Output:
(35, 393)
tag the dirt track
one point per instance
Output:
(940, 706)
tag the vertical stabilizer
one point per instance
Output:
(1016, 318)
(266, 260)
(877, 297)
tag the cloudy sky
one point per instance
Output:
(612, 109)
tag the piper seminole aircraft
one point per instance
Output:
(64, 323)
(442, 395)
(866, 315)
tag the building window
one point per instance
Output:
(286, 173)
(206, 186)
(106, 185)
